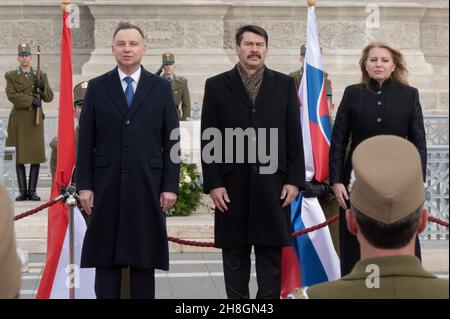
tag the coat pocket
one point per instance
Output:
(101, 161)
(156, 162)
(227, 168)
(282, 167)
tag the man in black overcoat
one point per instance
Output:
(124, 160)
(252, 194)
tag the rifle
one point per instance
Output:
(158, 73)
(37, 93)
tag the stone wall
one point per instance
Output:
(201, 35)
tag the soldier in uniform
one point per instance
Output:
(180, 88)
(386, 215)
(23, 133)
(322, 191)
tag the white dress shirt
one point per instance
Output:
(135, 76)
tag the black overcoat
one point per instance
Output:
(255, 215)
(389, 109)
(124, 157)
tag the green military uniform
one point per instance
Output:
(401, 277)
(386, 214)
(23, 133)
(180, 89)
(329, 204)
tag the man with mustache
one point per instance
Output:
(252, 206)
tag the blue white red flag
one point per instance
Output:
(317, 259)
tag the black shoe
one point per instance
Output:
(22, 182)
(34, 174)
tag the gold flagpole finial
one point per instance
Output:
(311, 2)
(65, 5)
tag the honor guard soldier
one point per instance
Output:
(25, 128)
(180, 88)
(386, 214)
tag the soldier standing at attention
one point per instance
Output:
(23, 132)
(179, 87)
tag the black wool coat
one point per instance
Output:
(389, 109)
(255, 215)
(124, 157)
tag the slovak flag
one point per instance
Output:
(315, 259)
(58, 274)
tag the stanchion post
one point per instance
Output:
(71, 201)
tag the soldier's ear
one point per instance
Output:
(351, 222)
(423, 219)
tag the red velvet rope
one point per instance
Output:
(329, 221)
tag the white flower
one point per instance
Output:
(187, 179)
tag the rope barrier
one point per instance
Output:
(329, 221)
(39, 208)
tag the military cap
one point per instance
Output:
(168, 58)
(78, 92)
(23, 49)
(388, 178)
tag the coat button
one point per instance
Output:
(379, 92)
(379, 120)
(379, 103)
(127, 122)
(126, 172)
(254, 168)
(253, 110)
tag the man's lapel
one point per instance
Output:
(143, 89)
(268, 84)
(234, 81)
(115, 90)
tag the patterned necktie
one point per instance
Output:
(129, 93)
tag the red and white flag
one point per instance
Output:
(58, 274)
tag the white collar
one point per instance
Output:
(135, 76)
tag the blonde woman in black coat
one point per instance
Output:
(383, 103)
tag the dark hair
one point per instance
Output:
(251, 28)
(388, 236)
(127, 25)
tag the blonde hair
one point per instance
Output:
(400, 72)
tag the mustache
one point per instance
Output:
(254, 55)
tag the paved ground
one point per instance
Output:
(191, 276)
(200, 275)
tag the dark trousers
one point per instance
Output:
(237, 265)
(108, 283)
(350, 252)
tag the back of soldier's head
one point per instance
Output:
(388, 193)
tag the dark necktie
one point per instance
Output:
(129, 93)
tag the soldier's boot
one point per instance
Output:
(34, 174)
(22, 182)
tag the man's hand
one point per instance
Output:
(36, 102)
(288, 193)
(167, 200)
(87, 200)
(39, 84)
(220, 197)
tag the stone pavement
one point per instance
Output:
(200, 275)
